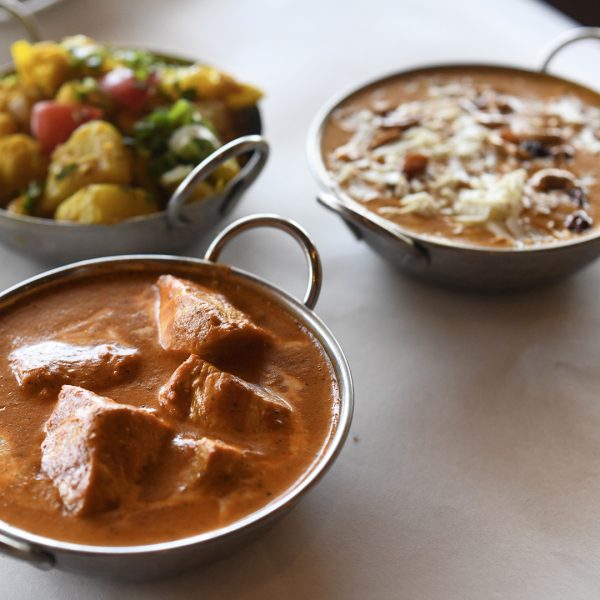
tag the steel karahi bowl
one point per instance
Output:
(445, 261)
(172, 230)
(160, 559)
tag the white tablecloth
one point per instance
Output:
(473, 467)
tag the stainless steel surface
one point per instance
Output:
(26, 551)
(171, 231)
(313, 261)
(156, 560)
(445, 261)
(568, 38)
(255, 145)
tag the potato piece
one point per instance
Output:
(18, 206)
(44, 65)
(225, 173)
(207, 83)
(7, 124)
(83, 91)
(21, 161)
(245, 95)
(105, 203)
(94, 153)
(17, 100)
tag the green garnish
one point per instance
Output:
(152, 134)
(32, 195)
(189, 94)
(141, 62)
(87, 57)
(65, 171)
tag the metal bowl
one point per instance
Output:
(446, 261)
(154, 560)
(169, 231)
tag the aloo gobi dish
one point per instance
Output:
(95, 134)
(487, 156)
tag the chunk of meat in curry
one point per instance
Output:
(220, 401)
(96, 450)
(212, 464)
(197, 320)
(45, 366)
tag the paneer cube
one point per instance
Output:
(221, 402)
(211, 464)
(97, 450)
(48, 365)
(196, 320)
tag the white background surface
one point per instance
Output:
(473, 467)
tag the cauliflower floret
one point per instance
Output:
(21, 161)
(44, 65)
(95, 153)
(105, 203)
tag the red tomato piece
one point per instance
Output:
(52, 122)
(128, 90)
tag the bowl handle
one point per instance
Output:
(315, 271)
(255, 144)
(27, 552)
(21, 13)
(566, 39)
(353, 220)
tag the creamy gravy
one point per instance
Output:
(122, 310)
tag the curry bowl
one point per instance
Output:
(154, 559)
(188, 206)
(434, 244)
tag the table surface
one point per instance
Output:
(473, 466)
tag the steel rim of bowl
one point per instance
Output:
(38, 550)
(254, 144)
(415, 241)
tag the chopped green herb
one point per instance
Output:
(87, 56)
(32, 195)
(189, 94)
(65, 171)
(152, 134)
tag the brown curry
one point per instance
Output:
(146, 407)
(490, 156)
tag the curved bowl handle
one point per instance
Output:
(315, 271)
(255, 144)
(27, 552)
(21, 13)
(354, 219)
(566, 39)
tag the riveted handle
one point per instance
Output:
(315, 271)
(21, 13)
(255, 144)
(566, 39)
(27, 552)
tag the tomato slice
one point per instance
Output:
(129, 91)
(52, 122)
